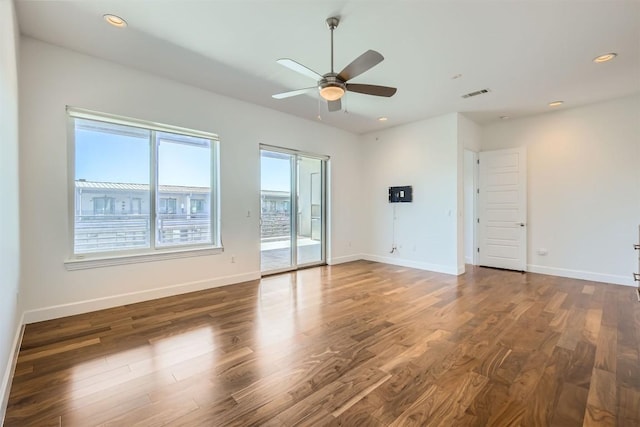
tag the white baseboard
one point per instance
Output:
(79, 307)
(580, 274)
(5, 386)
(413, 264)
(343, 259)
(468, 260)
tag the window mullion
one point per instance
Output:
(214, 207)
(153, 179)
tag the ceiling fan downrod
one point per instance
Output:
(332, 23)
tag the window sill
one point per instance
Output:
(87, 263)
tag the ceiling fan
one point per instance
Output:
(332, 86)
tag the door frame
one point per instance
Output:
(293, 211)
(474, 208)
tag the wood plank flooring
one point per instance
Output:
(357, 344)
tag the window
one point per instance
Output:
(103, 206)
(167, 206)
(141, 188)
(197, 206)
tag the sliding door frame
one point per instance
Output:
(293, 211)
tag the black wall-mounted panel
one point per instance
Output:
(401, 194)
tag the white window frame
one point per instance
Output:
(154, 252)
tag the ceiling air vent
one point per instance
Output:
(476, 93)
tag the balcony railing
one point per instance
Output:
(103, 233)
(183, 229)
(275, 225)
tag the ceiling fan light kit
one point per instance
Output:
(331, 92)
(332, 86)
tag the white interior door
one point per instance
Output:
(502, 219)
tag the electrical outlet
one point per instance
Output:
(543, 251)
(233, 259)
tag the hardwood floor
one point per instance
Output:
(358, 344)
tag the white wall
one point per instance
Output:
(52, 77)
(426, 155)
(583, 187)
(9, 214)
(469, 134)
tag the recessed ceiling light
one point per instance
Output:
(504, 117)
(556, 103)
(604, 58)
(115, 20)
(456, 76)
(382, 119)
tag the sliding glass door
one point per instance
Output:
(310, 210)
(292, 210)
(276, 204)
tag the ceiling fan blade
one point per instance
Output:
(299, 68)
(371, 89)
(362, 63)
(335, 105)
(292, 93)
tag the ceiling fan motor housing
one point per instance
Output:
(331, 79)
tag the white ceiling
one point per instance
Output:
(527, 53)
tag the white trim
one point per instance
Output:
(583, 275)
(293, 152)
(415, 264)
(468, 260)
(79, 307)
(107, 261)
(5, 386)
(343, 259)
(82, 113)
(476, 191)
